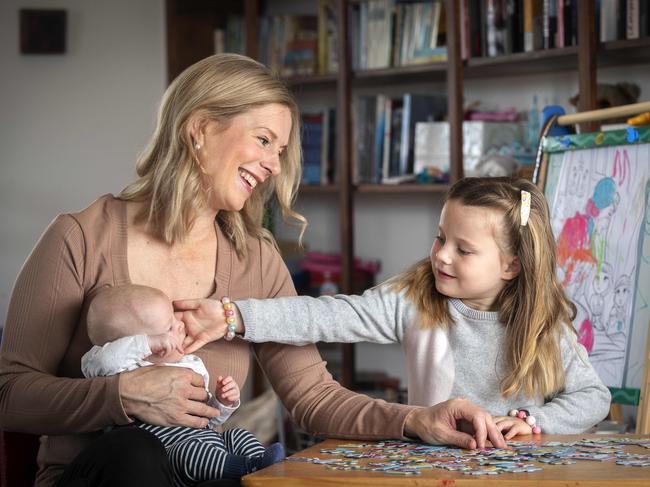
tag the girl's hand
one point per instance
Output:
(205, 321)
(163, 344)
(227, 391)
(512, 426)
(166, 396)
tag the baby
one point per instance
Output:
(134, 326)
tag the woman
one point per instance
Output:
(227, 139)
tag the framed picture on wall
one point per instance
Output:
(43, 31)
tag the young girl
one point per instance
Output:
(483, 318)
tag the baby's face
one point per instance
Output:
(162, 320)
(176, 329)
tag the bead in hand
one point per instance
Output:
(526, 416)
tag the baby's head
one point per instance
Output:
(126, 310)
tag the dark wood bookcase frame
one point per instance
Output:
(190, 25)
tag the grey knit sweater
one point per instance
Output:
(467, 360)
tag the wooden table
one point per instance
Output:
(583, 473)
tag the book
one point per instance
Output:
(475, 43)
(621, 19)
(398, 29)
(395, 137)
(363, 36)
(497, 27)
(533, 25)
(219, 41)
(300, 45)
(515, 25)
(632, 31)
(608, 20)
(324, 148)
(549, 24)
(644, 19)
(328, 147)
(417, 108)
(327, 37)
(385, 159)
(378, 149)
(364, 118)
(379, 31)
(559, 38)
(491, 28)
(312, 125)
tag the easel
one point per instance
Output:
(539, 178)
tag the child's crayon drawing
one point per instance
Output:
(598, 207)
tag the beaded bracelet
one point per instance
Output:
(229, 311)
(525, 415)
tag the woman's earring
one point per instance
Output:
(197, 146)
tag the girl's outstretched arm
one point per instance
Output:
(378, 316)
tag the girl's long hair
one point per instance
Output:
(170, 180)
(533, 306)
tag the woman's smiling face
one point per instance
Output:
(246, 152)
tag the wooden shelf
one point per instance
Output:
(401, 74)
(523, 63)
(402, 188)
(317, 189)
(312, 80)
(615, 53)
(625, 52)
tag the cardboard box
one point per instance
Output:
(479, 137)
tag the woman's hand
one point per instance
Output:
(166, 396)
(513, 426)
(205, 321)
(440, 424)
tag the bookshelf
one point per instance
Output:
(190, 26)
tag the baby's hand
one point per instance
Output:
(227, 391)
(512, 426)
(163, 344)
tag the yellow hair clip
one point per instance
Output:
(525, 207)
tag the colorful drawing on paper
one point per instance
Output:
(598, 203)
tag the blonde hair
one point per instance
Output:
(170, 180)
(131, 309)
(533, 305)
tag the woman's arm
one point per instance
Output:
(43, 315)
(584, 401)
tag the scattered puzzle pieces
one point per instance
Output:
(407, 458)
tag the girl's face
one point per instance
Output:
(237, 158)
(465, 257)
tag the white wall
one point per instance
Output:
(73, 124)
